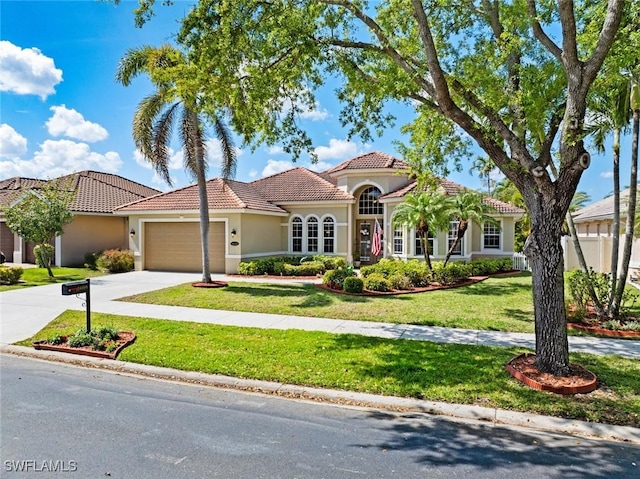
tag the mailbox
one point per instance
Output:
(75, 287)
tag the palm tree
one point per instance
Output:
(485, 167)
(154, 120)
(427, 212)
(506, 191)
(467, 206)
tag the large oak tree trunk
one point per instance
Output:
(545, 255)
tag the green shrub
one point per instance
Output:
(248, 268)
(116, 261)
(10, 275)
(57, 339)
(91, 260)
(377, 282)
(335, 278)
(81, 338)
(487, 266)
(353, 284)
(309, 268)
(330, 262)
(400, 281)
(107, 332)
(451, 274)
(417, 272)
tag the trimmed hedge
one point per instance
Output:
(335, 278)
(377, 282)
(291, 265)
(116, 261)
(353, 284)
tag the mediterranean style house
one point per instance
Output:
(300, 212)
(594, 226)
(94, 227)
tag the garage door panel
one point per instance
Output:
(176, 247)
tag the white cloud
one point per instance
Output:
(319, 166)
(606, 174)
(27, 71)
(315, 114)
(253, 173)
(274, 167)
(337, 150)
(70, 123)
(175, 159)
(61, 157)
(214, 155)
(275, 150)
(12, 144)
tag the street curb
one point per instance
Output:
(492, 416)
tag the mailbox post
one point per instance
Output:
(79, 287)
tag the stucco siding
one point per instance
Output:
(90, 234)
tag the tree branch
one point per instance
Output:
(539, 33)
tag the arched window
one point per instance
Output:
(368, 202)
(328, 235)
(296, 235)
(312, 235)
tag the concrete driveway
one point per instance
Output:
(24, 312)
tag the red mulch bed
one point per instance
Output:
(212, 284)
(590, 324)
(524, 369)
(125, 338)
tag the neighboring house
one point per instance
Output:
(299, 212)
(94, 226)
(594, 225)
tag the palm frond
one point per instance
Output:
(193, 140)
(229, 157)
(134, 62)
(143, 121)
(161, 139)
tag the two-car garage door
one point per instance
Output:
(176, 247)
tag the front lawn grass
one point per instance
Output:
(439, 372)
(39, 277)
(496, 304)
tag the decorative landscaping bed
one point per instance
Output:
(431, 287)
(125, 338)
(524, 369)
(212, 284)
(613, 333)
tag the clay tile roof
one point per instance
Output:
(602, 209)
(95, 192)
(299, 184)
(368, 161)
(232, 195)
(452, 188)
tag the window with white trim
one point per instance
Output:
(398, 240)
(418, 244)
(451, 238)
(491, 236)
(368, 203)
(296, 235)
(312, 235)
(328, 235)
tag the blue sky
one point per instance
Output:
(61, 110)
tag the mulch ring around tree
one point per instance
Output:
(579, 381)
(125, 338)
(212, 284)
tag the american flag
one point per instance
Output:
(376, 242)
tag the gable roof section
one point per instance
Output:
(603, 209)
(232, 195)
(95, 192)
(299, 185)
(374, 160)
(452, 188)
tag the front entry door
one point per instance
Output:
(365, 237)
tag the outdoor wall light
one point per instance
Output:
(132, 233)
(233, 232)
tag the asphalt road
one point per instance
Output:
(89, 423)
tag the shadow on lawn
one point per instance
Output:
(436, 442)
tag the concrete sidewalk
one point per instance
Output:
(24, 312)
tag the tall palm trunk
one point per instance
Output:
(615, 240)
(631, 210)
(204, 208)
(460, 231)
